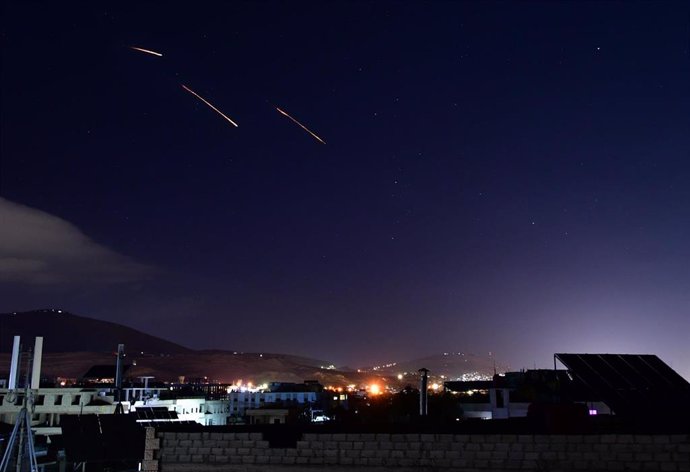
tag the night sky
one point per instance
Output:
(506, 177)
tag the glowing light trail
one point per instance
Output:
(147, 51)
(300, 125)
(207, 103)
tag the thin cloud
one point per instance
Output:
(38, 248)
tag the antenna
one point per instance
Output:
(22, 427)
(14, 366)
(36, 373)
(118, 378)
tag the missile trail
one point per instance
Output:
(147, 51)
(207, 103)
(300, 125)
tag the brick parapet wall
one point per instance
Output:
(430, 451)
(151, 451)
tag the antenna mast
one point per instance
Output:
(22, 426)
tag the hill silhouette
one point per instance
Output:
(72, 344)
(65, 332)
(451, 365)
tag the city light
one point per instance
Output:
(374, 389)
(238, 386)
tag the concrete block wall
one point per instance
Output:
(151, 448)
(430, 451)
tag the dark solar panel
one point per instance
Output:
(154, 413)
(633, 385)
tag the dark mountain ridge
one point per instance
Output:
(72, 344)
(65, 332)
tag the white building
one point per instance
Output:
(198, 408)
(240, 401)
(51, 403)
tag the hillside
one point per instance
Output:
(452, 365)
(65, 332)
(74, 343)
(221, 366)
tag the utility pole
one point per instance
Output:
(423, 392)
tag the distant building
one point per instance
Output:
(634, 387)
(510, 395)
(279, 394)
(240, 402)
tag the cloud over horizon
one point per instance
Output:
(38, 248)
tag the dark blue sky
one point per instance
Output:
(507, 177)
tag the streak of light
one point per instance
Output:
(207, 103)
(300, 125)
(147, 51)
